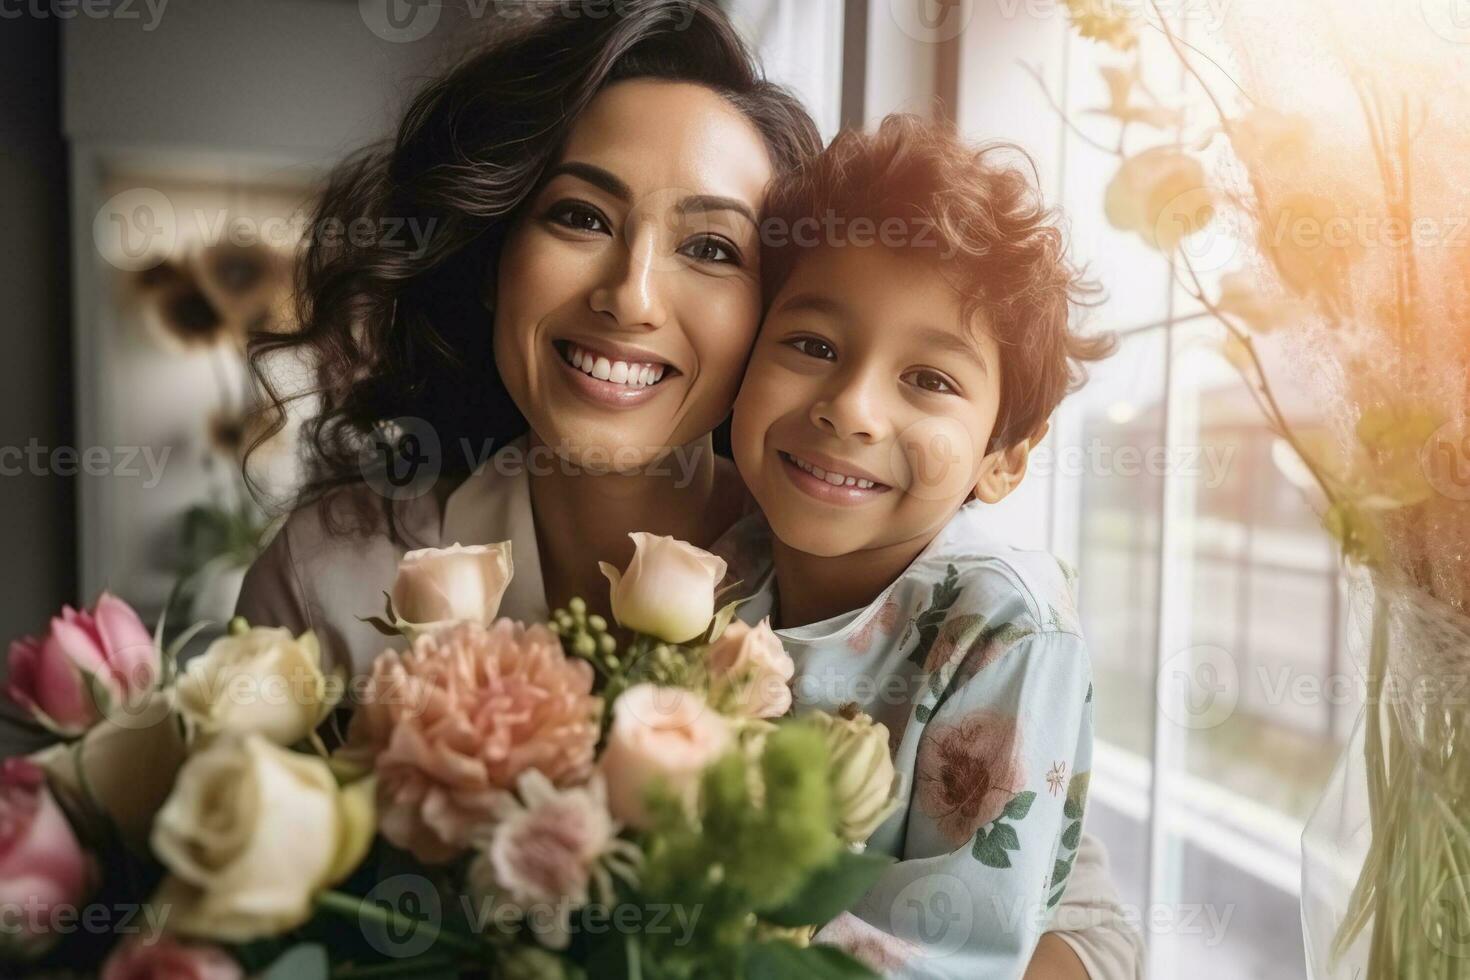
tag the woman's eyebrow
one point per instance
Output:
(613, 184)
(596, 176)
(704, 203)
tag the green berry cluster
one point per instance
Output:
(586, 635)
(664, 664)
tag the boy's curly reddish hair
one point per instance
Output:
(981, 217)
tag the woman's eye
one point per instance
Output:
(931, 381)
(578, 216)
(711, 250)
(812, 347)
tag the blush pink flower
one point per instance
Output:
(750, 672)
(451, 723)
(548, 848)
(109, 643)
(167, 959)
(43, 868)
(664, 737)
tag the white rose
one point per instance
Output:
(750, 672)
(262, 680)
(251, 833)
(668, 589)
(437, 586)
(659, 735)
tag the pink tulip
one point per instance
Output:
(163, 958)
(43, 870)
(110, 643)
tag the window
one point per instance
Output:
(1209, 593)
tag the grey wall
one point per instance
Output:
(36, 511)
(263, 74)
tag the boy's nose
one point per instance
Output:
(852, 410)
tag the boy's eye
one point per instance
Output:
(579, 216)
(708, 248)
(930, 381)
(812, 347)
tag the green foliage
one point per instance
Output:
(762, 831)
(944, 596)
(830, 890)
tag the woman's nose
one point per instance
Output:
(852, 408)
(631, 292)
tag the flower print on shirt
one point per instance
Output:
(882, 623)
(967, 773)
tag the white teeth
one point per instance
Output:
(836, 479)
(615, 372)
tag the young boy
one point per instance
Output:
(915, 343)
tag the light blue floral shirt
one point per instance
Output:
(974, 661)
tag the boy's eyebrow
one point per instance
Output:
(947, 340)
(613, 184)
(814, 303)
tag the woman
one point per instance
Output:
(583, 309)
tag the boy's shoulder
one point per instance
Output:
(977, 573)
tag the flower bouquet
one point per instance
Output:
(563, 799)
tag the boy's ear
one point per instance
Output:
(1003, 469)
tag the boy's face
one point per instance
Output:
(864, 416)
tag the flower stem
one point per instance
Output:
(351, 906)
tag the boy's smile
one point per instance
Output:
(849, 485)
(868, 405)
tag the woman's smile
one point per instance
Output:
(610, 374)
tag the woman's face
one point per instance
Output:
(628, 294)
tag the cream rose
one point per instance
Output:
(118, 775)
(667, 590)
(750, 671)
(865, 786)
(659, 735)
(258, 680)
(251, 833)
(438, 586)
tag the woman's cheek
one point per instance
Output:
(722, 322)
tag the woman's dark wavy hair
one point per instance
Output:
(392, 329)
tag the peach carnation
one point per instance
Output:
(450, 724)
